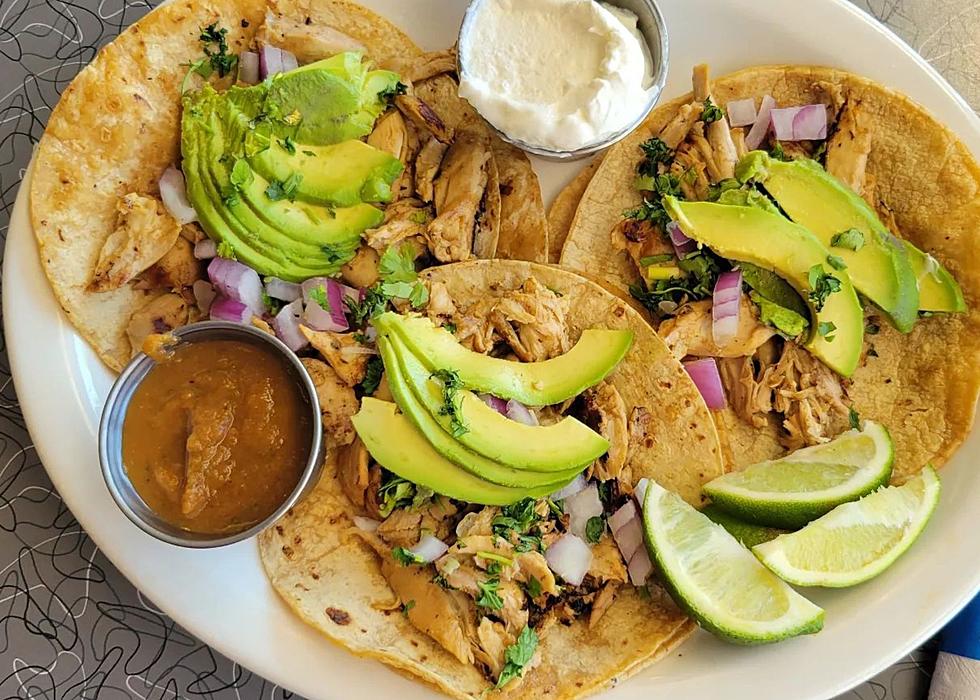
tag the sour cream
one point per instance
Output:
(559, 74)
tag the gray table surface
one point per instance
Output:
(71, 626)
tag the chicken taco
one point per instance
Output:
(302, 140)
(799, 236)
(476, 525)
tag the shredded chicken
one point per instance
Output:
(494, 640)
(738, 139)
(848, 148)
(639, 239)
(719, 131)
(303, 38)
(690, 331)
(404, 219)
(458, 192)
(441, 308)
(677, 129)
(603, 601)
(162, 314)
(427, 165)
(145, 231)
(748, 395)
(337, 401)
(405, 526)
(607, 563)
(604, 411)
(810, 397)
(424, 117)
(362, 270)
(178, 268)
(687, 159)
(347, 357)
(353, 462)
(426, 66)
(706, 152)
(393, 135)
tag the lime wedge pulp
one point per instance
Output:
(800, 487)
(717, 580)
(855, 541)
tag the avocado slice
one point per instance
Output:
(567, 446)
(397, 446)
(752, 235)
(810, 196)
(938, 291)
(338, 175)
(591, 359)
(448, 446)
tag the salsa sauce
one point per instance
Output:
(217, 435)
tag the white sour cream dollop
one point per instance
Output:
(561, 74)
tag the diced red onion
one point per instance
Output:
(173, 192)
(622, 516)
(366, 524)
(517, 411)
(429, 549)
(286, 325)
(274, 60)
(757, 133)
(683, 246)
(497, 404)
(581, 507)
(640, 491)
(741, 112)
(248, 67)
(318, 318)
(570, 489)
(225, 309)
(704, 373)
(205, 249)
(725, 306)
(204, 294)
(805, 123)
(640, 567)
(237, 281)
(569, 557)
(282, 290)
(629, 538)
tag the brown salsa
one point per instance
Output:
(217, 435)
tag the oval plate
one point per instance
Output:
(223, 597)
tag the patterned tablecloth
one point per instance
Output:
(71, 626)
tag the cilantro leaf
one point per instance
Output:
(517, 656)
(655, 153)
(372, 376)
(533, 587)
(489, 598)
(826, 329)
(406, 557)
(777, 152)
(451, 384)
(594, 528)
(822, 285)
(397, 264)
(389, 94)
(284, 190)
(836, 262)
(395, 492)
(407, 606)
(288, 145)
(375, 301)
(852, 239)
(319, 295)
(854, 418)
(711, 112)
(216, 49)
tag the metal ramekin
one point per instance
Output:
(114, 413)
(654, 29)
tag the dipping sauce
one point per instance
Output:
(217, 435)
(560, 74)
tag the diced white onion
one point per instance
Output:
(629, 538)
(622, 516)
(757, 133)
(741, 112)
(429, 548)
(640, 567)
(366, 524)
(569, 557)
(570, 489)
(173, 192)
(581, 507)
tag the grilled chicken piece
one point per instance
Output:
(305, 39)
(486, 233)
(163, 314)
(458, 193)
(603, 410)
(439, 613)
(677, 129)
(748, 395)
(533, 564)
(848, 148)
(719, 131)
(441, 307)
(738, 138)
(144, 232)
(607, 563)
(426, 66)
(405, 526)
(603, 601)
(353, 463)
(404, 219)
(494, 640)
(427, 166)
(687, 159)
(362, 270)
(177, 268)
(393, 135)
(337, 401)
(689, 332)
(343, 353)
(539, 317)
(640, 239)
(706, 152)
(424, 117)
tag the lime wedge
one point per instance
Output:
(855, 541)
(717, 580)
(792, 491)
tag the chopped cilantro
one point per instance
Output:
(285, 189)
(311, 154)
(822, 285)
(374, 303)
(517, 656)
(656, 259)
(854, 418)
(836, 262)
(826, 329)
(372, 376)
(288, 145)
(407, 606)
(397, 264)
(241, 174)
(655, 152)
(216, 49)
(489, 598)
(388, 94)
(652, 209)
(319, 295)
(711, 112)
(226, 250)
(557, 508)
(423, 495)
(450, 326)
(778, 153)
(852, 239)
(519, 522)
(533, 587)
(451, 384)
(395, 492)
(702, 270)
(406, 557)
(229, 196)
(594, 528)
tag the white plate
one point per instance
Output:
(223, 597)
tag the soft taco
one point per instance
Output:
(126, 253)
(460, 589)
(904, 193)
